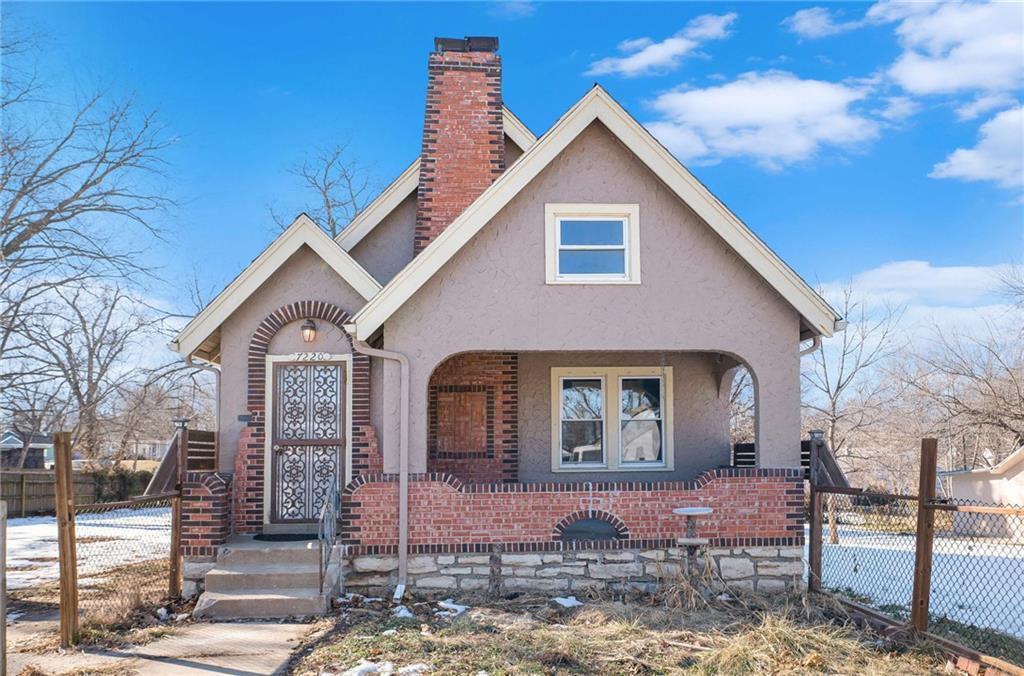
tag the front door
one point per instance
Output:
(307, 438)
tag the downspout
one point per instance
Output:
(815, 344)
(403, 454)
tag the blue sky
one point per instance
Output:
(851, 137)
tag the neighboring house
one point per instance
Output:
(520, 340)
(40, 450)
(999, 485)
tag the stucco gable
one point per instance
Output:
(597, 105)
(303, 232)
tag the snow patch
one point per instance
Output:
(402, 613)
(449, 608)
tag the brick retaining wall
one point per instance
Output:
(752, 508)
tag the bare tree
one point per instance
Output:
(741, 407)
(975, 384)
(847, 392)
(31, 411)
(71, 177)
(340, 188)
(87, 339)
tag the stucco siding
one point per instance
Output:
(388, 247)
(304, 276)
(697, 294)
(700, 417)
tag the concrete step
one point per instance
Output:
(260, 603)
(251, 552)
(267, 576)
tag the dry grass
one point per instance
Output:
(528, 637)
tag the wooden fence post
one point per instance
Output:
(24, 492)
(925, 535)
(814, 543)
(64, 505)
(3, 588)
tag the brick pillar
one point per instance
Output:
(463, 138)
(205, 514)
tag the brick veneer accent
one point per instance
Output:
(463, 148)
(496, 375)
(752, 507)
(250, 472)
(205, 506)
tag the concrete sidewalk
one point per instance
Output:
(235, 648)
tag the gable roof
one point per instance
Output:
(302, 231)
(1007, 463)
(407, 182)
(12, 438)
(597, 104)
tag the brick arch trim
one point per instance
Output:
(249, 469)
(621, 529)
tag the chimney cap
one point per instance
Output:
(466, 44)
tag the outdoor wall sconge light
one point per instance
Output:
(308, 331)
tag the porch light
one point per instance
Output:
(308, 331)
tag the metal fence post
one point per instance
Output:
(64, 505)
(174, 574)
(814, 544)
(925, 535)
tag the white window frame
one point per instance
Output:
(611, 388)
(629, 214)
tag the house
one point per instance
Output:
(12, 445)
(516, 359)
(1002, 484)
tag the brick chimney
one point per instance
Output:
(463, 138)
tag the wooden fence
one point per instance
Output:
(31, 491)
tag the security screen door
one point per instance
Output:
(307, 438)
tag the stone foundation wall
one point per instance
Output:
(193, 574)
(743, 569)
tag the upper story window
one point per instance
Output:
(593, 243)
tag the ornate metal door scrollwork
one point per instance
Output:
(307, 438)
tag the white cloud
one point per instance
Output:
(997, 157)
(513, 9)
(957, 47)
(774, 117)
(948, 47)
(962, 296)
(647, 56)
(818, 22)
(898, 108)
(982, 105)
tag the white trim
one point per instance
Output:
(611, 387)
(628, 214)
(597, 105)
(407, 182)
(268, 432)
(303, 231)
(376, 211)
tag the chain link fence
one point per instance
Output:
(122, 560)
(976, 595)
(977, 584)
(123, 553)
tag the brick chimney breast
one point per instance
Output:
(463, 137)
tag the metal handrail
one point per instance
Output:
(327, 531)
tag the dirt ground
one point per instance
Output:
(536, 636)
